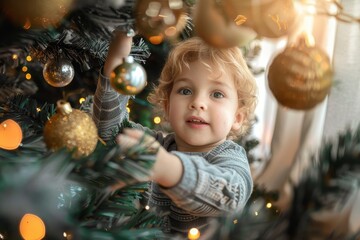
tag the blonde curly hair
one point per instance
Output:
(226, 60)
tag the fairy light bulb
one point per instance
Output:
(32, 227)
(194, 234)
(81, 100)
(157, 120)
(269, 205)
(147, 207)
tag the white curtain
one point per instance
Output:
(288, 138)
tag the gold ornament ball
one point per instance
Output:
(71, 129)
(300, 77)
(129, 78)
(36, 13)
(157, 20)
(58, 72)
(219, 30)
(269, 18)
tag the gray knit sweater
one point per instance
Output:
(213, 183)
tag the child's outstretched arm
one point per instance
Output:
(109, 109)
(167, 170)
(204, 188)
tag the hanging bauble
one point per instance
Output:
(300, 77)
(217, 29)
(58, 72)
(36, 13)
(71, 129)
(157, 20)
(269, 18)
(129, 78)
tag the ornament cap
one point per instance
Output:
(129, 59)
(63, 107)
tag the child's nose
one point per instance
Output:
(198, 103)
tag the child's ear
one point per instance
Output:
(238, 120)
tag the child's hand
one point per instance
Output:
(119, 48)
(167, 170)
(133, 137)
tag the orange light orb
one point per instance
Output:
(32, 227)
(10, 135)
(194, 234)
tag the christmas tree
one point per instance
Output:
(50, 56)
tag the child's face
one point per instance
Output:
(203, 108)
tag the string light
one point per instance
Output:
(147, 207)
(28, 58)
(235, 221)
(269, 205)
(67, 235)
(28, 76)
(256, 213)
(32, 227)
(81, 100)
(2, 236)
(15, 56)
(38, 109)
(194, 234)
(157, 120)
(24, 68)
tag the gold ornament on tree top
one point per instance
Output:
(157, 20)
(300, 77)
(269, 18)
(71, 129)
(36, 13)
(216, 27)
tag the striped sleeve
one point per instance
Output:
(109, 109)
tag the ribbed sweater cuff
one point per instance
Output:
(186, 185)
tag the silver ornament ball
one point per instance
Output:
(58, 72)
(129, 78)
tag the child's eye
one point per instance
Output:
(185, 91)
(218, 95)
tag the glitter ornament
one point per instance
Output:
(215, 27)
(36, 13)
(158, 19)
(300, 77)
(71, 129)
(129, 78)
(58, 72)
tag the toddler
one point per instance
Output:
(208, 96)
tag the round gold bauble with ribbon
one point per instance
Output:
(129, 78)
(217, 28)
(36, 13)
(58, 72)
(157, 20)
(71, 129)
(300, 77)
